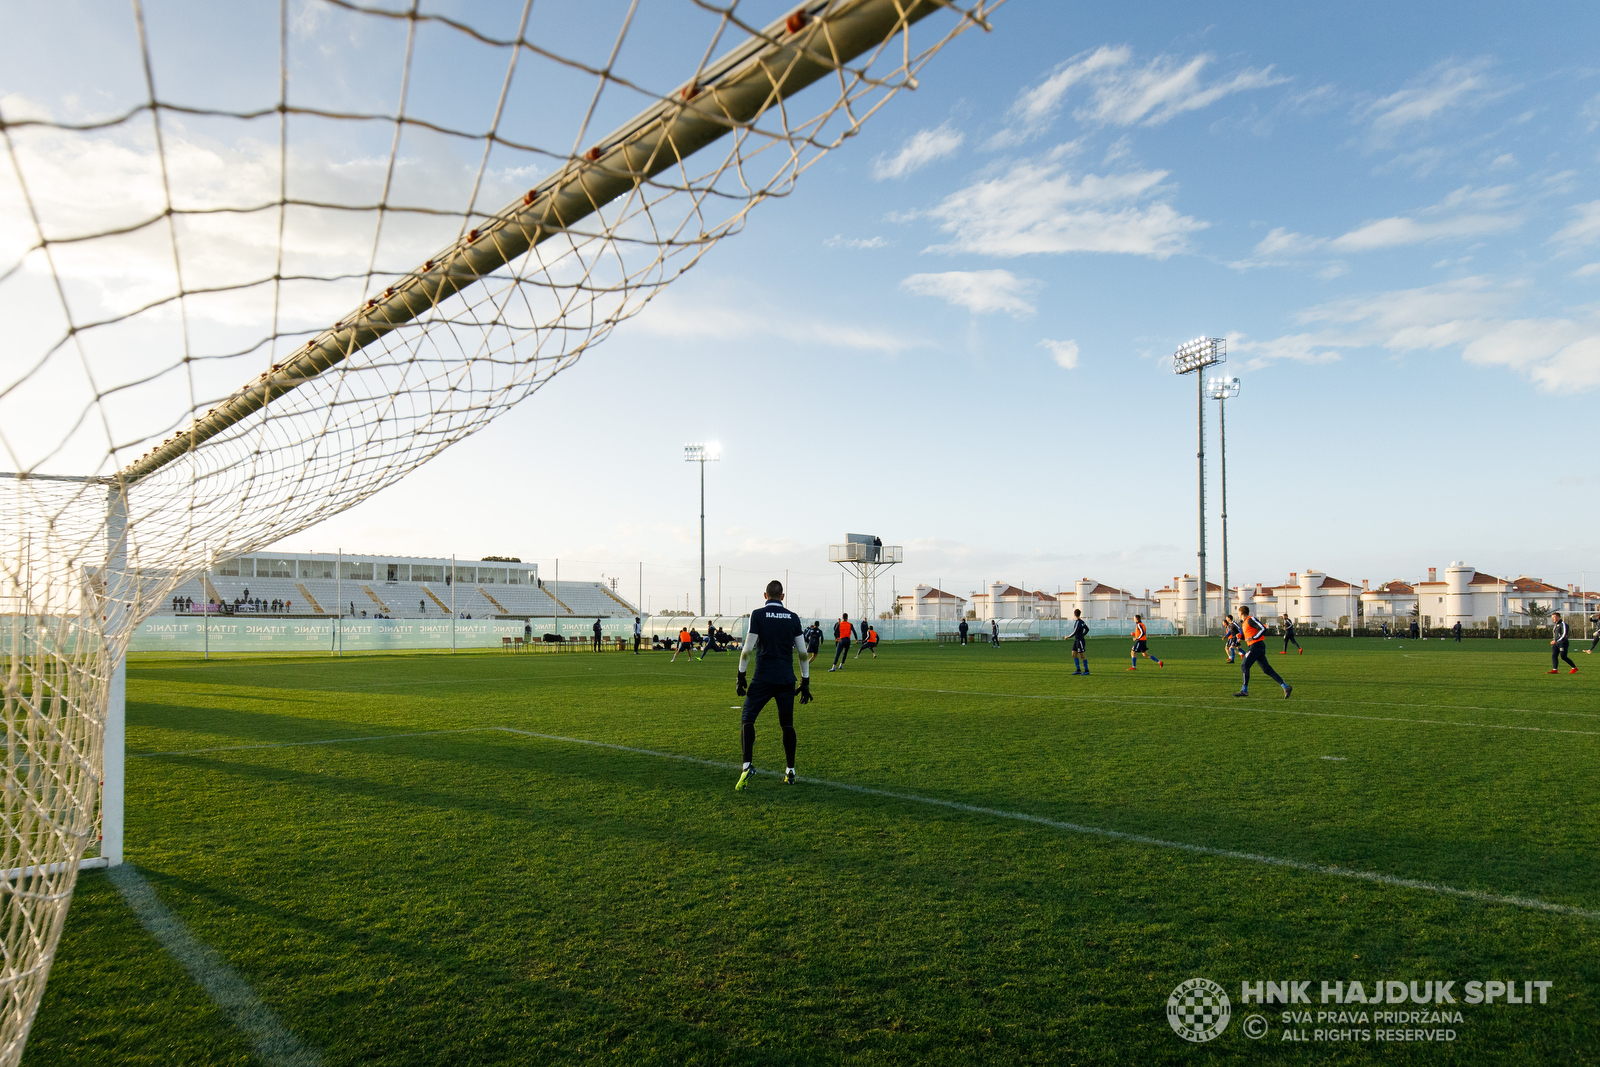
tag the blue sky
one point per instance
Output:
(957, 333)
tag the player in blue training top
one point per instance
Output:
(1080, 642)
(1231, 636)
(1558, 645)
(775, 635)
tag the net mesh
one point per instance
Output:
(392, 224)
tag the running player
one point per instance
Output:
(1255, 653)
(1558, 645)
(1288, 635)
(1080, 643)
(1230, 636)
(813, 641)
(1141, 646)
(870, 643)
(1594, 628)
(774, 636)
(685, 643)
(841, 642)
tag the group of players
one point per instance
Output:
(775, 634)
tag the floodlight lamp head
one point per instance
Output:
(702, 453)
(1224, 388)
(1199, 354)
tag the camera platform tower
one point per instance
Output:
(865, 557)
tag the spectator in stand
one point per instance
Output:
(352, 609)
(422, 606)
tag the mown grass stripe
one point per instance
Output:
(1115, 835)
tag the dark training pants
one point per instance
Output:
(1257, 654)
(1288, 638)
(756, 699)
(841, 650)
(1559, 651)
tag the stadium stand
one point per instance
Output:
(309, 587)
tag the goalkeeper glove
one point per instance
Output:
(742, 687)
(805, 690)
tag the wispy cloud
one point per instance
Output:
(1065, 353)
(1582, 230)
(1466, 212)
(920, 149)
(1121, 92)
(979, 291)
(1451, 85)
(1038, 206)
(839, 241)
(1558, 354)
(675, 316)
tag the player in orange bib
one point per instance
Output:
(685, 644)
(1141, 646)
(841, 642)
(869, 643)
(1255, 653)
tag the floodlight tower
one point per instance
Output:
(1222, 391)
(865, 556)
(702, 454)
(1192, 358)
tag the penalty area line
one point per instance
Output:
(1113, 835)
(272, 1041)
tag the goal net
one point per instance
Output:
(390, 224)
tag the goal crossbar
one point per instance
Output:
(815, 40)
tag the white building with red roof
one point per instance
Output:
(1098, 600)
(1180, 600)
(1310, 598)
(1005, 601)
(928, 602)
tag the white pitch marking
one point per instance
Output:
(302, 744)
(274, 1043)
(1337, 759)
(1226, 707)
(1115, 835)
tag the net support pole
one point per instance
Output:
(113, 748)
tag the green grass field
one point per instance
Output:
(473, 894)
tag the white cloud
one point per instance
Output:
(920, 149)
(980, 291)
(1451, 84)
(1065, 353)
(1393, 232)
(1583, 230)
(1040, 207)
(1587, 270)
(1466, 212)
(838, 241)
(1556, 353)
(1122, 93)
(674, 316)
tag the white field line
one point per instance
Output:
(1157, 702)
(273, 1042)
(1037, 820)
(1115, 835)
(302, 744)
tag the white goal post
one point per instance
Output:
(431, 352)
